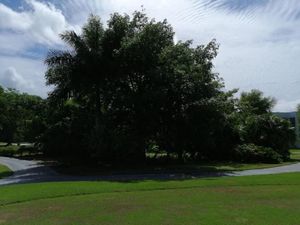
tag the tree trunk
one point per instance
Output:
(98, 114)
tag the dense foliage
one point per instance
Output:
(257, 125)
(21, 116)
(127, 89)
(123, 88)
(253, 153)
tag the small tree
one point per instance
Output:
(254, 103)
(259, 126)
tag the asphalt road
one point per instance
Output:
(275, 170)
(26, 171)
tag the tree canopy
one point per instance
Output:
(21, 116)
(127, 89)
(137, 87)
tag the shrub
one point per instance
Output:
(9, 150)
(27, 149)
(16, 150)
(269, 131)
(253, 153)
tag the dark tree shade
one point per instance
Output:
(127, 88)
(21, 116)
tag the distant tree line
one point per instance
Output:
(127, 89)
(21, 116)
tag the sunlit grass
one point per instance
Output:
(295, 154)
(4, 172)
(255, 200)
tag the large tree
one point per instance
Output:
(136, 86)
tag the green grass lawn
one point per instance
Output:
(255, 200)
(4, 172)
(295, 154)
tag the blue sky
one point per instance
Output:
(260, 39)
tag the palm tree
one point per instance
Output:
(76, 71)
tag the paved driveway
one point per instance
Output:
(26, 171)
(275, 170)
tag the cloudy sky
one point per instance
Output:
(260, 39)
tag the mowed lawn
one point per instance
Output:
(295, 154)
(4, 171)
(261, 200)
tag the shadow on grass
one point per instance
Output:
(84, 170)
(178, 172)
(44, 174)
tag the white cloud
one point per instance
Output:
(38, 25)
(10, 78)
(286, 106)
(27, 75)
(10, 19)
(42, 22)
(11, 43)
(47, 22)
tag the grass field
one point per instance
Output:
(295, 154)
(255, 200)
(4, 171)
